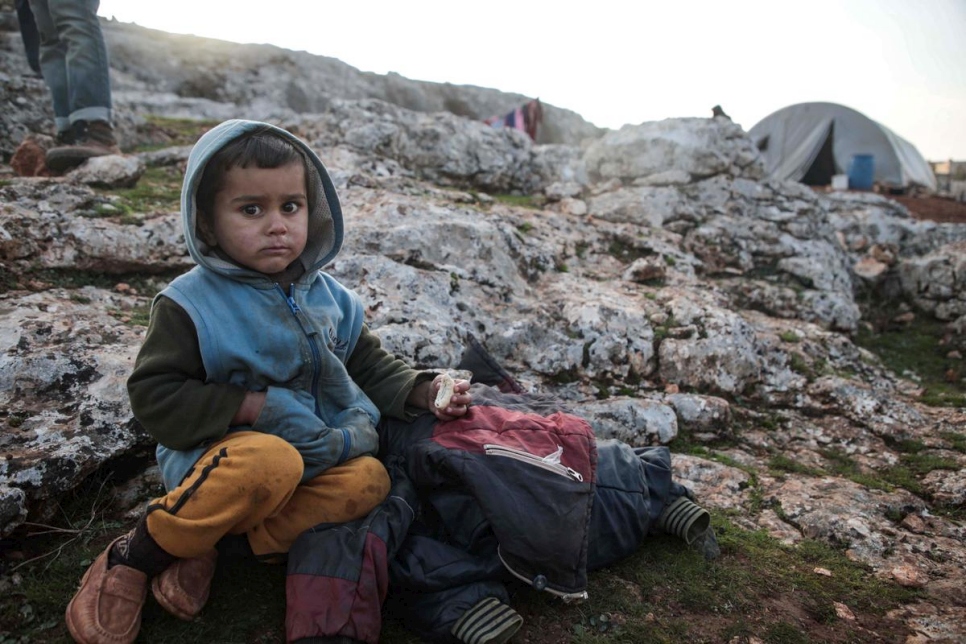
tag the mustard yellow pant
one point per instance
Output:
(248, 483)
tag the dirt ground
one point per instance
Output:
(938, 209)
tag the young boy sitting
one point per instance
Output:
(259, 380)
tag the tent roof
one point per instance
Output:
(790, 140)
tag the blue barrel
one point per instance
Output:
(861, 172)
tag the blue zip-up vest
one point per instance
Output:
(294, 345)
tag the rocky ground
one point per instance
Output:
(800, 352)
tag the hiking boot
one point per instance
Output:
(107, 606)
(64, 137)
(183, 588)
(90, 139)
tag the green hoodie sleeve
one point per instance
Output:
(386, 379)
(167, 388)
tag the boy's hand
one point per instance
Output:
(424, 396)
(250, 408)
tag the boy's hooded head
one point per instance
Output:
(242, 148)
(259, 148)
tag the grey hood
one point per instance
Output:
(325, 229)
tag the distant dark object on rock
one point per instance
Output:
(717, 111)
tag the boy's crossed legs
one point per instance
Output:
(246, 484)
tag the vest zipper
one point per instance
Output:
(551, 462)
(316, 362)
(316, 356)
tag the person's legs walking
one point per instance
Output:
(75, 66)
(88, 69)
(53, 65)
(29, 34)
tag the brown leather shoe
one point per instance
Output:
(107, 606)
(184, 587)
(87, 139)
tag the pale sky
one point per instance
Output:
(900, 62)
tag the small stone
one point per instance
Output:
(843, 612)
(909, 576)
(822, 571)
(575, 207)
(914, 523)
(870, 268)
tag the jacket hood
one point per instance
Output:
(325, 230)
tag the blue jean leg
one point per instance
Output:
(73, 60)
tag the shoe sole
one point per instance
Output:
(69, 159)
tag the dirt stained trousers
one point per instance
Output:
(249, 483)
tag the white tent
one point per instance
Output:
(810, 142)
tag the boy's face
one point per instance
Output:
(260, 217)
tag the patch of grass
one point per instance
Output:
(941, 396)
(158, 190)
(798, 364)
(916, 349)
(922, 464)
(785, 633)
(912, 466)
(565, 377)
(525, 227)
(770, 422)
(662, 331)
(665, 593)
(520, 201)
(782, 463)
(625, 251)
(956, 439)
(789, 336)
(841, 464)
(137, 316)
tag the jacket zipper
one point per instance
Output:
(568, 598)
(551, 462)
(316, 362)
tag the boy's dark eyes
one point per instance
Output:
(289, 207)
